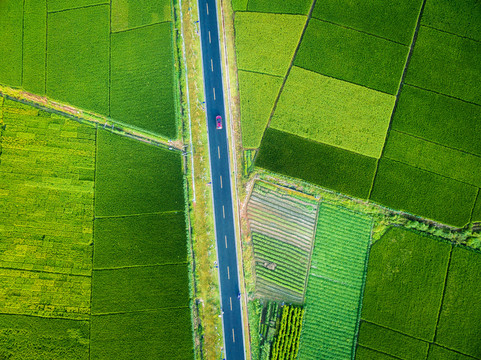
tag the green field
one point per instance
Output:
(78, 57)
(29, 337)
(403, 187)
(258, 93)
(150, 335)
(60, 5)
(142, 79)
(134, 240)
(340, 114)
(447, 64)
(349, 55)
(321, 164)
(139, 13)
(477, 210)
(370, 17)
(460, 317)
(391, 342)
(430, 156)
(440, 353)
(286, 345)
(459, 17)
(400, 265)
(335, 284)
(136, 178)
(11, 17)
(280, 6)
(139, 288)
(273, 50)
(439, 118)
(363, 353)
(239, 5)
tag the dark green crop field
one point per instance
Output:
(11, 17)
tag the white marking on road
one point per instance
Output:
(226, 241)
(223, 211)
(210, 40)
(221, 181)
(228, 273)
(213, 90)
(230, 299)
(212, 65)
(233, 336)
(218, 151)
(207, 6)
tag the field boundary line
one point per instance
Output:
(360, 31)
(474, 205)
(381, 352)
(140, 27)
(46, 317)
(142, 310)
(133, 215)
(260, 73)
(442, 94)
(309, 16)
(44, 272)
(451, 33)
(77, 8)
(401, 83)
(139, 266)
(444, 293)
(453, 350)
(394, 330)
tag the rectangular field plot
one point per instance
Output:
(128, 14)
(462, 18)
(439, 118)
(239, 5)
(139, 288)
(282, 228)
(460, 318)
(29, 337)
(34, 43)
(447, 64)
(280, 6)
(404, 285)
(349, 55)
(142, 83)
(391, 342)
(135, 178)
(426, 194)
(328, 166)
(140, 240)
(370, 16)
(335, 283)
(266, 43)
(429, 156)
(78, 57)
(340, 114)
(258, 93)
(441, 353)
(11, 22)
(151, 335)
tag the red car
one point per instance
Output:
(218, 122)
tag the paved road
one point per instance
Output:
(221, 184)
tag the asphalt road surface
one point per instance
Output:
(221, 184)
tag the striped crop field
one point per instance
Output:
(282, 228)
(335, 284)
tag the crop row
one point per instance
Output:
(276, 292)
(282, 236)
(286, 345)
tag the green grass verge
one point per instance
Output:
(128, 14)
(11, 22)
(459, 17)
(363, 353)
(59, 5)
(370, 16)
(34, 43)
(135, 240)
(328, 166)
(405, 280)
(139, 288)
(142, 87)
(258, 93)
(239, 5)
(439, 118)
(460, 318)
(352, 56)
(440, 353)
(447, 64)
(391, 342)
(29, 337)
(403, 187)
(337, 113)
(429, 156)
(152, 335)
(266, 42)
(135, 178)
(78, 57)
(280, 6)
